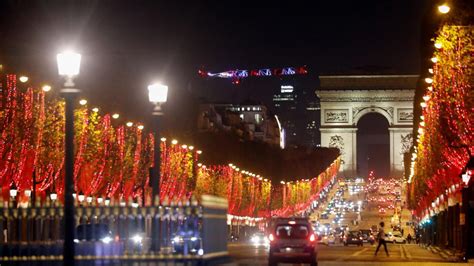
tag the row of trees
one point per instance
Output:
(445, 142)
(113, 160)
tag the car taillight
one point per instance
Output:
(270, 237)
(312, 238)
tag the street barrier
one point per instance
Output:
(118, 233)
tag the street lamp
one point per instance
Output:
(13, 191)
(53, 196)
(444, 8)
(68, 67)
(23, 79)
(81, 197)
(157, 94)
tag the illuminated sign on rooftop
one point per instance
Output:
(286, 88)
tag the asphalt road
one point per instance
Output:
(399, 254)
(408, 254)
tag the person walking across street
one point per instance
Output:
(381, 238)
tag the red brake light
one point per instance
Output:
(312, 238)
(270, 237)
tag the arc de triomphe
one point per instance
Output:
(346, 99)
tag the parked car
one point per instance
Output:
(292, 240)
(353, 238)
(395, 237)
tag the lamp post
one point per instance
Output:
(68, 67)
(157, 94)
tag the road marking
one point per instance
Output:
(408, 254)
(359, 252)
(402, 254)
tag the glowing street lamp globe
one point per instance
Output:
(13, 192)
(466, 177)
(69, 63)
(157, 93)
(23, 79)
(444, 9)
(46, 88)
(53, 196)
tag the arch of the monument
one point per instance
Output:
(341, 109)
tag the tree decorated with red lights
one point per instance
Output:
(446, 139)
(112, 160)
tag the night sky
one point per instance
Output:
(128, 44)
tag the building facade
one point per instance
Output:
(249, 121)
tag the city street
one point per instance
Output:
(165, 133)
(247, 254)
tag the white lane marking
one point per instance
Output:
(402, 254)
(407, 253)
(359, 252)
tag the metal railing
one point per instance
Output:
(114, 234)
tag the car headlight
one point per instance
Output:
(177, 239)
(137, 239)
(255, 239)
(106, 239)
